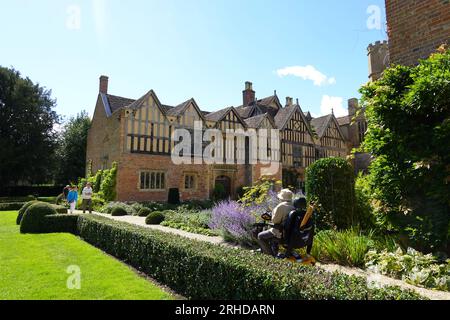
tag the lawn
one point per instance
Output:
(34, 267)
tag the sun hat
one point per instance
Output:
(285, 195)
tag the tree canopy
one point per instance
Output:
(27, 135)
(72, 149)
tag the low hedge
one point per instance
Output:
(11, 206)
(201, 270)
(16, 199)
(61, 223)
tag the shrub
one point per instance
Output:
(200, 270)
(11, 206)
(187, 228)
(23, 209)
(257, 194)
(330, 185)
(219, 192)
(59, 223)
(144, 212)
(174, 196)
(233, 221)
(108, 208)
(412, 267)
(189, 220)
(47, 199)
(59, 199)
(347, 248)
(408, 134)
(155, 217)
(118, 212)
(108, 185)
(33, 220)
(60, 209)
(364, 210)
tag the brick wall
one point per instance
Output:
(103, 142)
(416, 28)
(130, 166)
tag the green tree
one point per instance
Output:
(27, 135)
(408, 114)
(72, 148)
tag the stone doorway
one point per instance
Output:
(226, 183)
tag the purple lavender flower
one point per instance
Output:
(234, 220)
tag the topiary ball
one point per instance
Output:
(155, 218)
(33, 221)
(144, 212)
(23, 209)
(118, 212)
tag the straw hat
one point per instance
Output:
(285, 195)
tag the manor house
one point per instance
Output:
(137, 134)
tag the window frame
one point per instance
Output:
(148, 179)
(195, 179)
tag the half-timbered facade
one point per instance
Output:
(138, 135)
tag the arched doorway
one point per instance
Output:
(225, 182)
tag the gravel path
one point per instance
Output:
(373, 278)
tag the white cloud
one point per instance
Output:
(335, 104)
(99, 13)
(307, 73)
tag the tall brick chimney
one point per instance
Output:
(248, 94)
(104, 84)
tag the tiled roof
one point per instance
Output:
(179, 109)
(344, 120)
(167, 108)
(283, 116)
(245, 112)
(116, 102)
(320, 124)
(255, 122)
(218, 115)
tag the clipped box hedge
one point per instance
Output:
(201, 270)
(59, 223)
(11, 206)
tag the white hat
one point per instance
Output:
(285, 195)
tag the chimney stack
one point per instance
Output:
(352, 106)
(104, 84)
(248, 94)
(289, 101)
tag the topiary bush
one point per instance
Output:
(155, 218)
(60, 209)
(330, 184)
(33, 221)
(23, 209)
(118, 212)
(144, 212)
(174, 196)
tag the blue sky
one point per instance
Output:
(311, 50)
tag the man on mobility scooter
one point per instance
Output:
(291, 225)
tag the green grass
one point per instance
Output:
(33, 267)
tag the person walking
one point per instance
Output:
(86, 195)
(72, 198)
